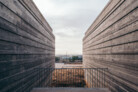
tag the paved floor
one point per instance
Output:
(70, 90)
(62, 65)
(73, 66)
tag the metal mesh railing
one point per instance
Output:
(73, 77)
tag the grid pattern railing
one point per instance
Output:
(73, 77)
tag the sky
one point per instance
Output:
(69, 20)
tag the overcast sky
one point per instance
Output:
(69, 20)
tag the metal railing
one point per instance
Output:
(72, 77)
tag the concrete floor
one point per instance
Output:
(62, 65)
(70, 90)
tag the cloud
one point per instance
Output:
(69, 20)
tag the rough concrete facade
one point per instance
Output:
(26, 43)
(112, 42)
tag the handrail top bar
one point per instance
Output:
(71, 68)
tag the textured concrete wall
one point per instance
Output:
(112, 42)
(26, 43)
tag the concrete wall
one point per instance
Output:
(112, 42)
(26, 43)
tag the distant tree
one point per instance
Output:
(75, 58)
(57, 59)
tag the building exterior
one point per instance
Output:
(26, 44)
(112, 42)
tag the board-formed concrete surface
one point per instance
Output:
(26, 43)
(70, 90)
(112, 42)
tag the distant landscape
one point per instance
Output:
(68, 59)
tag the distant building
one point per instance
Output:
(69, 58)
